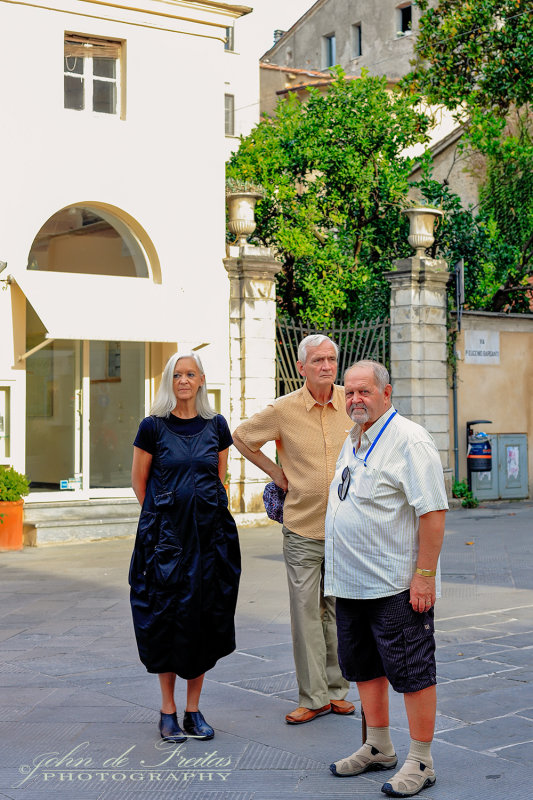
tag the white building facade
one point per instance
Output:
(241, 82)
(112, 227)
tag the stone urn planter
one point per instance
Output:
(13, 486)
(422, 224)
(241, 214)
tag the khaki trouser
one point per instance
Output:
(314, 630)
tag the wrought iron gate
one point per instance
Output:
(356, 340)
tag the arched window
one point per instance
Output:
(87, 240)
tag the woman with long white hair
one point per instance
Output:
(185, 568)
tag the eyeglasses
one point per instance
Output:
(342, 488)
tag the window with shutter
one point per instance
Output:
(92, 74)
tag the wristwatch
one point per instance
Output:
(427, 573)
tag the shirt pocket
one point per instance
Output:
(365, 481)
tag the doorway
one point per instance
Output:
(84, 402)
(84, 397)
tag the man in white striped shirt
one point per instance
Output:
(384, 532)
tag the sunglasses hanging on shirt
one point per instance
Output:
(344, 485)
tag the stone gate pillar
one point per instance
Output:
(252, 274)
(418, 337)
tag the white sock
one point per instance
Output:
(380, 739)
(421, 751)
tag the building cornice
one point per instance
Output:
(205, 13)
(238, 10)
(494, 315)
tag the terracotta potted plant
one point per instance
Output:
(13, 487)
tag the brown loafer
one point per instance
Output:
(301, 714)
(342, 707)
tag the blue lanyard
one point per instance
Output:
(374, 443)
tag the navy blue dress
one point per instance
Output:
(185, 567)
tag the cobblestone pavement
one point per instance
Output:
(78, 713)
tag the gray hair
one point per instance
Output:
(381, 373)
(315, 340)
(165, 399)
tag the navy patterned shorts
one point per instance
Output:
(385, 637)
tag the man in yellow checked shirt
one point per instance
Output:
(309, 427)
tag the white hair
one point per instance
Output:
(165, 399)
(381, 373)
(315, 340)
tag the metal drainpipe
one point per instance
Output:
(458, 272)
(455, 424)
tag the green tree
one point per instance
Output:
(506, 201)
(334, 175)
(474, 56)
(476, 52)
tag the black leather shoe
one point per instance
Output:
(170, 730)
(195, 725)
